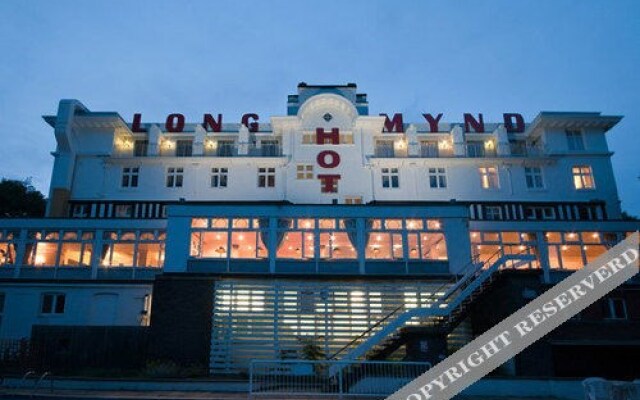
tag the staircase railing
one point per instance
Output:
(473, 277)
(455, 280)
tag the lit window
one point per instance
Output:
(219, 177)
(489, 177)
(7, 250)
(296, 245)
(583, 177)
(337, 245)
(266, 177)
(304, 171)
(533, 176)
(353, 200)
(413, 224)
(248, 245)
(130, 177)
(306, 223)
(52, 303)
(437, 178)
(574, 140)
(326, 223)
(184, 148)
(175, 177)
(390, 178)
(199, 223)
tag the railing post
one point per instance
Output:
(340, 383)
(251, 379)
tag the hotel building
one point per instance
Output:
(239, 241)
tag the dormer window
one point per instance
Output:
(184, 148)
(575, 141)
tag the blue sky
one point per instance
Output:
(235, 57)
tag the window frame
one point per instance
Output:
(486, 176)
(130, 177)
(219, 177)
(266, 177)
(174, 177)
(575, 139)
(55, 301)
(531, 173)
(440, 176)
(577, 172)
(390, 177)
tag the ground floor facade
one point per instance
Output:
(216, 286)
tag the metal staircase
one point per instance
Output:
(442, 313)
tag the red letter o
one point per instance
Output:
(322, 157)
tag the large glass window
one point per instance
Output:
(387, 239)
(51, 248)
(236, 238)
(572, 250)
(489, 246)
(143, 249)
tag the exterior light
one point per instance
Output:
(488, 144)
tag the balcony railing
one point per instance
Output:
(221, 150)
(471, 150)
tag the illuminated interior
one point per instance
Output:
(323, 238)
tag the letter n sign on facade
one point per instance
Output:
(328, 159)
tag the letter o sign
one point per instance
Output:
(322, 159)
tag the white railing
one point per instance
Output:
(312, 378)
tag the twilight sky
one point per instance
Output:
(234, 57)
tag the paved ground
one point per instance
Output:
(137, 395)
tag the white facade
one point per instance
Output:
(96, 148)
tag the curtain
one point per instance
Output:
(283, 224)
(29, 254)
(103, 254)
(264, 231)
(352, 232)
(368, 224)
(281, 230)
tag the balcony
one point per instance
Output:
(470, 150)
(479, 150)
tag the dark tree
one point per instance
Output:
(20, 199)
